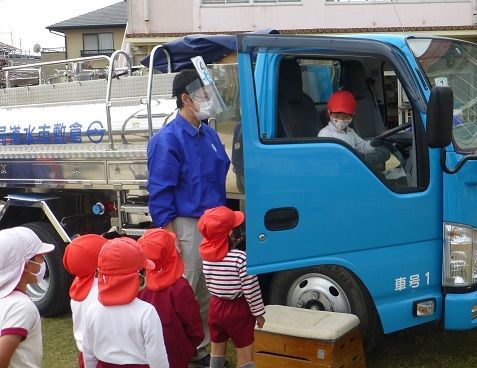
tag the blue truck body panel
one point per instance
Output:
(345, 214)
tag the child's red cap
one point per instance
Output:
(81, 260)
(215, 225)
(160, 248)
(119, 261)
(342, 101)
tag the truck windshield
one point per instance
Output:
(453, 63)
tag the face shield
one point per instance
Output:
(204, 92)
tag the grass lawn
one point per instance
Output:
(59, 345)
(424, 346)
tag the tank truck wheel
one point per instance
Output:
(328, 288)
(51, 296)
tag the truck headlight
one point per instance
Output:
(460, 255)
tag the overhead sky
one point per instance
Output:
(23, 22)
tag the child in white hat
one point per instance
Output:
(21, 263)
(119, 329)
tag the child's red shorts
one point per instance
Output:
(231, 319)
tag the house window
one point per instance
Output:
(97, 44)
(249, 2)
(385, 1)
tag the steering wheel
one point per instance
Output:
(391, 132)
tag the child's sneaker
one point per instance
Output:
(204, 362)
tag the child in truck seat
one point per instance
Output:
(341, 109)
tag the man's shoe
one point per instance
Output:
(204, 362)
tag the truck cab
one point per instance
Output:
(346, 230)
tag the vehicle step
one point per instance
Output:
(134, 208)
(134, 232)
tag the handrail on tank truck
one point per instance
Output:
(108, 91)
(37, 67)
(149, 84)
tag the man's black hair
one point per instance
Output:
(181, 81)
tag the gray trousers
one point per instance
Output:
(188, 234)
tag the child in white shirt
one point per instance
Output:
(81, 260)
(21, 263)
(120, 329)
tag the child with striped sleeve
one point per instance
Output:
(236, 304)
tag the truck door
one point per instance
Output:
(327, 217)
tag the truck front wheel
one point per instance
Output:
(51, 295)
(328, 288)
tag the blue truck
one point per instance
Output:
(387, 234)
(390, 238)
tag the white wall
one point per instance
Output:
(187, 16)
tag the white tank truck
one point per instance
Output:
(73, 156)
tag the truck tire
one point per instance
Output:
(328, 288)
(51, 296)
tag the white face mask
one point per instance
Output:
(204, 110)
(340, 124)
(40, 274)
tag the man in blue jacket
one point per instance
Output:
(187, 166)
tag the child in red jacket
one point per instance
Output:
(172, 296)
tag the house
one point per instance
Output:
(143, 24)
(96, 33)
(151, 22)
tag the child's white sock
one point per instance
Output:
(217, 361)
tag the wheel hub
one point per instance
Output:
(315, 305)
(318, 292)
(38, 291)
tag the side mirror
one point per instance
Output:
(439, 117)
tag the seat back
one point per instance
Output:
(296, 111)
(368, 121)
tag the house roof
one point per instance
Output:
(7, 48)
(112, 16)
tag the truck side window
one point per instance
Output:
(303, 88)
(229, 122)
(297, 115)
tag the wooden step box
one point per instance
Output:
(303, 338)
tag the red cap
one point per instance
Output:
(119, 261)
(160, 247)
(215, 225)
(81, 260)
(342, 101)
